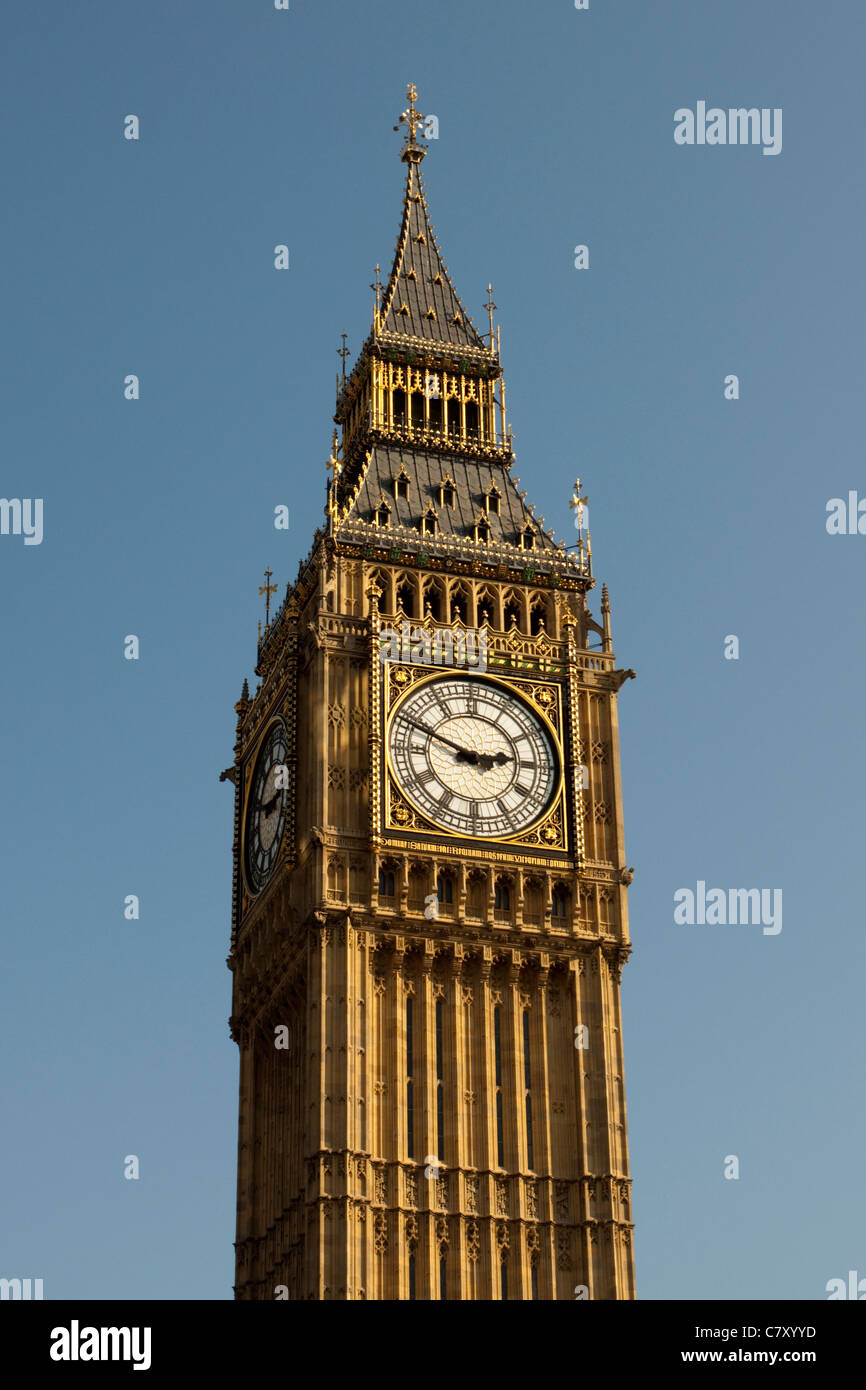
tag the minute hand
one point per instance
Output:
(483, 760)
(467, 752)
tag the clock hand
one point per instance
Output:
(464, 752)
(268, 806)
(483, 760)
(487, 760)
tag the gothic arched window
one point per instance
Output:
(560, 901)
(447, 493)
(538, 614)
(445, 888)
(492, 499)
(497, 1059)
(527, 1091)
(410, 1073)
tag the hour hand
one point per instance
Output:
(267, 806)
(486, 760)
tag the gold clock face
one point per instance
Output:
(473, 757)
(266, 808)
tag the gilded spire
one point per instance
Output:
(607, 640)
(419, 301)
(377, 289)
(342, 353)
(490, 306)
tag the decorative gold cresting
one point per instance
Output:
(411, 153)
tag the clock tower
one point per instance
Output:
(430, 918)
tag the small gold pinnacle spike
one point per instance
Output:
(267, 589)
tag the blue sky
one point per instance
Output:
(155, 257)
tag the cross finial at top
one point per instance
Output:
(412, 118)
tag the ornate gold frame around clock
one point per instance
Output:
(544, 697)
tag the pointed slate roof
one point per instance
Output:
(472, 479)
(419, 282)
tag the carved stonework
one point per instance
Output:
(411, 1231)
(473, 1241)
(380, 1232)
(379, 1184)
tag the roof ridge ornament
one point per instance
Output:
(412, 152)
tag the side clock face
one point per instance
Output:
(473, 757)
(266, 808)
